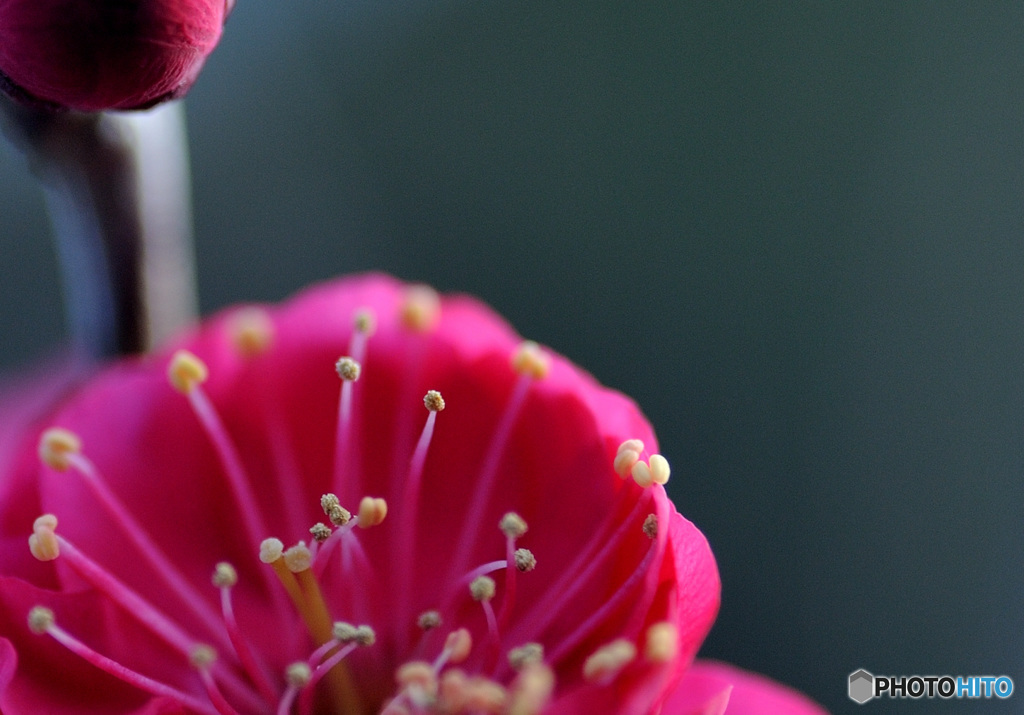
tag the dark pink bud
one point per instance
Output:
(92, 55)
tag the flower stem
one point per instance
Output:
(117, 190)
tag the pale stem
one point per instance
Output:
(117, 190)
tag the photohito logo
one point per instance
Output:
(864, 686)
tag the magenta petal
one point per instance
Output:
(706, 683)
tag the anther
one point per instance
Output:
(372, 511)
(526, 654)
(525, 560)
(252, 331)
(417, 675)
(365, 321)
(43, 542)
(344, 632)
(202, 656)
(271, 550)
(608, 660)
(529, 359)
(321, 532)
(662, 642)
(458, 644)
(482, 588)
(185, 371)
(55, 445)
(421, 308)
(512, 525)
(298, 558)
(660, 471)
(365, 635)
(433, 401)
(531, 690)
(347, 369)
(485, 696)
(298, 674)
(40, 620)
(429, 620)
(338, 514)
(224, 575)
(651, 526)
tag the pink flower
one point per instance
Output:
(474, 547)
(103, 54)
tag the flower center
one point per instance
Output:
(299, 578)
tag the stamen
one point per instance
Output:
(403, 546)
(338, 514)
(224, 578)
(42, 621)
(417, 681)
(608, 661)
(513, 526)
(531, 690)
(628, 455)
(428, 620)
(484, 485)
(202, 658)
(43, 542)
(251, 331)
(526, 654)
(55, 447)
(655, 471)
(651, 526)
(187, 372)
(321, 532)
(524, 560)
(421, 308)
(62, 450)
(482, 589)
(529, 359)
(297, 676)
(452, 691)
(348, 370)
(372, 511)
(662, 643)
(457, 646)
(485, 696)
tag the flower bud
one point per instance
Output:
(105, 54)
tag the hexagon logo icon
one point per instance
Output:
(862, 686)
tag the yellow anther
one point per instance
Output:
(224, 574)
(55, 445)
(298, 674)
(298, 558)
(40, 620)
(428, 620)
(365, 635)
(365, 321)
(458, 644)
(485, 696)
(529, 359)
(252, 331)
(642, 475)
(660, 470)
(347, 369)
(43, 542)
(525, 560)
(662, 642)
(433, 401)
(417, 674)
(526, 654)
(202, 656)
(608, 660)
(512, 525)
(421, 308)
(482, 588)
(372, 511)
(531, 690)
(651, 526)
(627, 455)
(271, 550)
(185, 371)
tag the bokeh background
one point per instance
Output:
(792, 233)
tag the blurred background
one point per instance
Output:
(793, 234)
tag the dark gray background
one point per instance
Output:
(793, 234)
